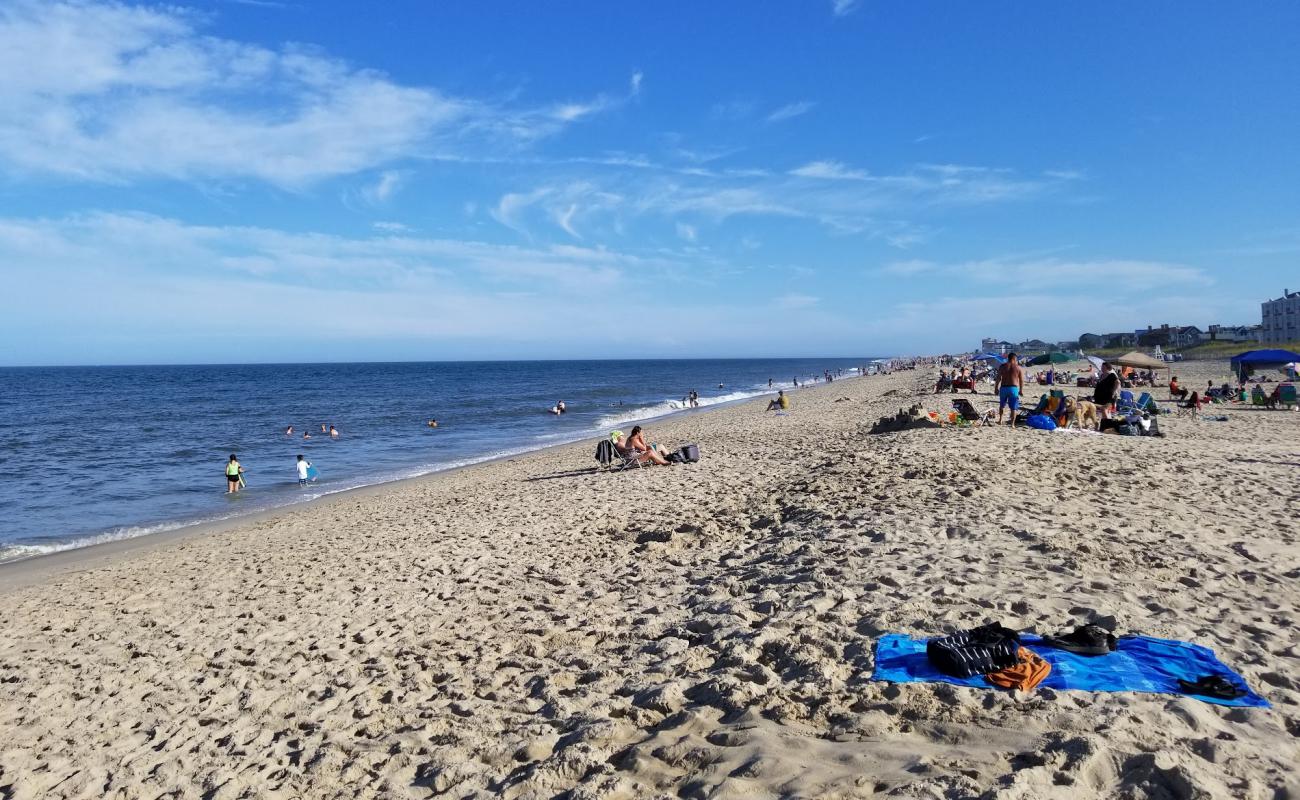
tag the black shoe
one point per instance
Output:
(1085, 640)
(1212, 686)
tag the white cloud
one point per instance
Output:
(108, 92)
(687, 232)
(842, 8)
(791, 111)
(634, 85)
(830, 170)
(96, 286)
(1052, 273)
(382, 189)
(391, 227)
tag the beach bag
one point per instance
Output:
(1041, 421)
(686, 454)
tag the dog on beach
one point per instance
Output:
(1083, 413)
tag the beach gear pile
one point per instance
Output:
(1087, 658)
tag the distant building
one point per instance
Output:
(989, 345)
(1168, 336)
(1280, 319)
(1034, 346)
(1067, 347)
(1234, 333)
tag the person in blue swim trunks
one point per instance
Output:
(1010, 384)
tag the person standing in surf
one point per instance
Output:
(233, 470)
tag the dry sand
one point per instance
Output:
(530, 629)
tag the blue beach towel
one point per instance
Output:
(1139, 664)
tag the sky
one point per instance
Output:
(265, 181)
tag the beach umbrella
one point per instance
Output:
(1050, 358)
(1096, 362)
(989, 357)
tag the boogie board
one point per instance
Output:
(312, 473)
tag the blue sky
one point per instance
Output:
(282, 181)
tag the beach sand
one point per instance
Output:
(531, 629)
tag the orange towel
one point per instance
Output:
(1025, 675)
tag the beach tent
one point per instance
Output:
(1051, 358)
(1138, 360)
(1245, 363)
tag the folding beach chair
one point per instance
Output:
(969, 413)
(612, 459)
(1127, 405)
(1288, 396)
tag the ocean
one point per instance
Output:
(94, 454)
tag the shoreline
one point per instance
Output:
(29, 569)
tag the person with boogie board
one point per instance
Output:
(306, 472)
(234, 475)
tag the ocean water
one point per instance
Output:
(92, 454)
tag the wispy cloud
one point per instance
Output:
(384, 187)
(842, 8)
(1051, 273)
(841, 198)
(393, 286)
(830, 170)
(109, 92)
(791, 110)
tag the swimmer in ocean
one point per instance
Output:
(334, 432)
(288, 431)
(433, 423)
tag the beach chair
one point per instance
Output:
(613, 460)
(1127, 405)
(1288, 398)
(969, 413)
(1258, 397)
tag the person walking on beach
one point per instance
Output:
(233, 470)
(1107, 389)
(1010, 384)
(303, 466)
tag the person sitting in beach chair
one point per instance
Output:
(637, 448)
(944, 382)
(1191, 408)
(1176, 392)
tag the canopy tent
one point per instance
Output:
(1051, 358)
(1245, 363)
(1139, 361)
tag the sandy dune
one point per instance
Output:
(530, 629)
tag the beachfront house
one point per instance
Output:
(1280, 319)
(1234, 333)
